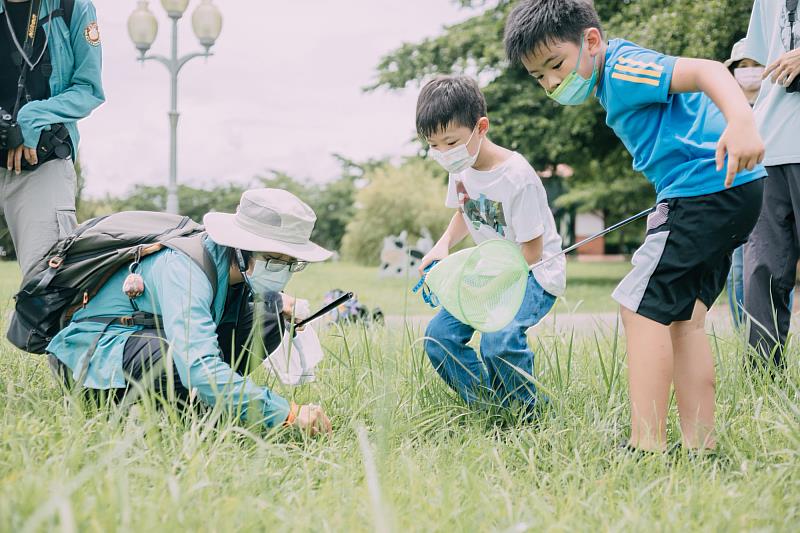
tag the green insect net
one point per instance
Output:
(482, 286)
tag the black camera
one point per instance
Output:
(10, 132)
(54, 142)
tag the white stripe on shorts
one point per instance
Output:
(631, 289)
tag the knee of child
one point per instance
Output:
(442, 330)
(503, 343)
(434, 330)
(435, 334)
(433, 350)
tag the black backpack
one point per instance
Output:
(77, 267)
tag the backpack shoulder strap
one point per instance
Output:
(194, 247)
(64, 11)
(69, 7)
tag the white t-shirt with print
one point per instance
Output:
(509, 202)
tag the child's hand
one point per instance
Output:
(311, 418)
(438, 252)
(743, 145)
(785, 69)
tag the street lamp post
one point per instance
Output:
(143, 28)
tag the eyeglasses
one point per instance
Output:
(279, 265)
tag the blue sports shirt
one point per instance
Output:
(672, 137)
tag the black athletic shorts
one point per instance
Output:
(686, 254)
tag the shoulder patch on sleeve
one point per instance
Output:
(92, 34)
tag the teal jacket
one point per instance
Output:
(176, 289)
(75, 84)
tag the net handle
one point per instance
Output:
(596, 236)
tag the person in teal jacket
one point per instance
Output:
(59, 65)
(256, 250)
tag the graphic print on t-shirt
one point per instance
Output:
(482, 211)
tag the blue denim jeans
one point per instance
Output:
(494, 377)
(736, 286)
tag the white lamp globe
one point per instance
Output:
(207, 23)
(142, 27)
(175, 8)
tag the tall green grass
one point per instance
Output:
(405, 454)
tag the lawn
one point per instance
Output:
(588, 290)
(405, 454)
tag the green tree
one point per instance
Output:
(194, 202)
(406, 197)
(522, 116)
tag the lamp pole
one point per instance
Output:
(142, 26)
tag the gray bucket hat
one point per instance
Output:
(738, 52)
(268, 220)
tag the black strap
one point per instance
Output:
(140, 318)
(146, 320)
(791, 9)
(67, 8)
(57, 12)
(27, 50)
(65, 12)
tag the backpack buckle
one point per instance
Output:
(56, 261)
(127, 321)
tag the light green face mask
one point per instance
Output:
(574, 90)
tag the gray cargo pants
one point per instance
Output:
(770, 263)
(39, 208)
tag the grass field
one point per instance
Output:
(405, 453)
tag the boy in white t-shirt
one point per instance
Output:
(498, 196)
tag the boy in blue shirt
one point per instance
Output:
(678, 118)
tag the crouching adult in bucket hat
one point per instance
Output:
(197, 347)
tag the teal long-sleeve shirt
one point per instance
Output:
(75, 84)
(177, 290)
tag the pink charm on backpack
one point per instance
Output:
(133, 286)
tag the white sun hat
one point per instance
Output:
(738, 52)
(268, 220)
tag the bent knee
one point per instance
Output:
(696, 322)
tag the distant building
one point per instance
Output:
(572, 226)
(586, 225)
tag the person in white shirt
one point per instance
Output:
(772, 252)
(497, 195)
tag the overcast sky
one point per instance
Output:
(282, 91)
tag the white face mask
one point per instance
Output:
(457, 159)
(749, 78)
(263, 280)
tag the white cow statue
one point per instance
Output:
(398, 260)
